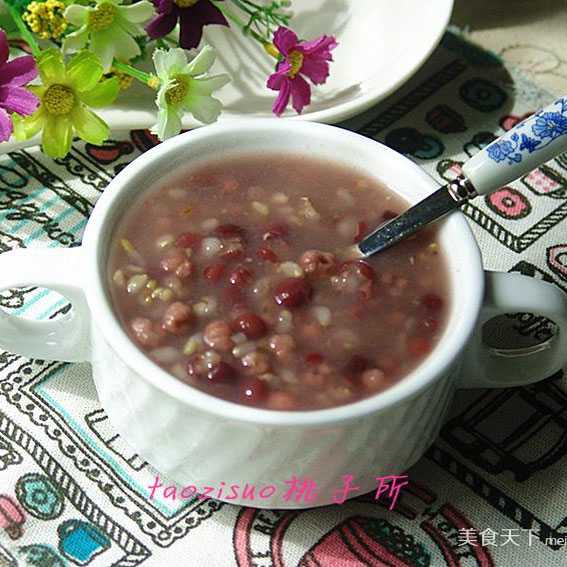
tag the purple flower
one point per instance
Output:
(193, 16)
(300, 58)
(14, 76)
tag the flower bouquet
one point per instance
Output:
(83, 54)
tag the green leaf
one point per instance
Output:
(19, 5)
(8, 25)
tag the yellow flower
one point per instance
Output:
(46, 18)
(66, 93)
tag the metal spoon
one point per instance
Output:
(529, 144)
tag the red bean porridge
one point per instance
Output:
(228, 277)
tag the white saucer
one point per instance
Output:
(382, 43)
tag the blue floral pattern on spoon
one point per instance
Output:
(547, 127)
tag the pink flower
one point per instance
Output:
(300, 59)
(14, 75)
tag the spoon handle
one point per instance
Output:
(537, 139)
(529, 144)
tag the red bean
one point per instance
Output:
(172, 260)
(314, 358)
(184, 270)
(217, 335)
(366, 270)
(177, 318)
(317, 263)
(419, 346)
(389, 364)
(293, 292)
(255, 363)
(252, 391)
(275, 231)
(389, 215)
(267, 254)
(355, 367)
(358, 268)
(356, 277)
(230, 185)
(221, 372)
(144, 332)
(432, 301)
(251, 325)
(229, 230)
(431, 324)
(232, 247)
(188, 240)
(214, 272)
(240, 276)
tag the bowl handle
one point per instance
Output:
(506, 293)
(59, 269)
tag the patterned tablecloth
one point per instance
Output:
(491, 491)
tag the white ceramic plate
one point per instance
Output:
(382, 43)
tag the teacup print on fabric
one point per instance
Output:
(424, 531)
(72, 492)
(508, 221)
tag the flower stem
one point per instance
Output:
(23, 29)
(243, 7)
(145, 78)
(265, 16)
(241, 24)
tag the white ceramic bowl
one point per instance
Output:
(196, 439)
